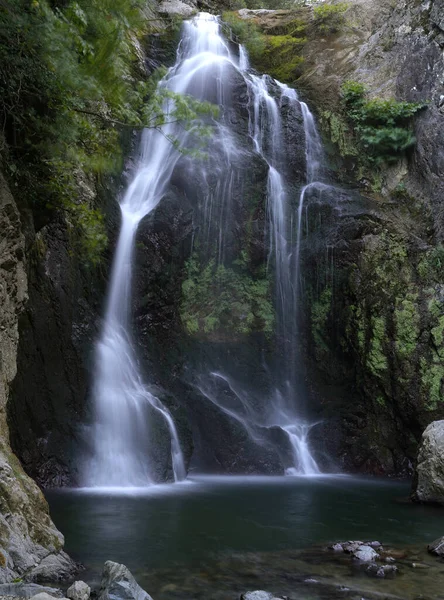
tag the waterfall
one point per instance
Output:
(267, 133)
(122, 401)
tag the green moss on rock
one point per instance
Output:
(376, 359)
(407, 325)
(217, 299)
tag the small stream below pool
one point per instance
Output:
(215, 537)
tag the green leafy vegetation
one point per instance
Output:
(277, 54)
(382, 127)
(330, 18)
(71, 84)
(217, 298)
(407, 325)
(268, 4)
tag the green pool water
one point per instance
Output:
(224, 535)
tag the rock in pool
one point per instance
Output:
(119, 584)
(437, 547)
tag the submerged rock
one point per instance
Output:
(437, 547)
(382, 570)
(79, 591)
(428, 484)
(119, 584)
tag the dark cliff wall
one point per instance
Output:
(374, 280)
(55, 354)
(28, 538)
(374, 315)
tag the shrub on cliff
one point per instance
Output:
(71, 80)
(383, 127)
(330, 18)
(278, 55)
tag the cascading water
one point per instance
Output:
(123, 404)
(267, 133)
(266, 97)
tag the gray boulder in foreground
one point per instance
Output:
(258, 595)
(437, 547)
(43, 596)
(79, 591)
(54, 567)
(119, 584)
(428, 484)
(27, 590)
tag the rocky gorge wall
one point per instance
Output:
(30, 545)
(373, 268)
(373, 315)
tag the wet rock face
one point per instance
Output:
(176, 8)
(428, 483)
(27, 535)
(373, 312)
(57, 331)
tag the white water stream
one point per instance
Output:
(122, 400)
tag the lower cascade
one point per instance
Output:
(209, 67)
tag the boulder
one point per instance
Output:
(28, 590)
(119, 584)
(337, 548)
(44, 596)
(259, 595)
(352, 546)
(79, 591)
(437, 547)
(428, 483)
(54, 567)
(382, 570)
(365, 554)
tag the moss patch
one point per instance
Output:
(217, 300)
(276, 51)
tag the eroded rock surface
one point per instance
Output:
(428, 485)
(27, 535)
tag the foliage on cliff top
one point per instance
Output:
(330, 18)
(382, 127)
(279, 54)
(71, 79)
(218, 298)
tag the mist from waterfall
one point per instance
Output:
(123, 404)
